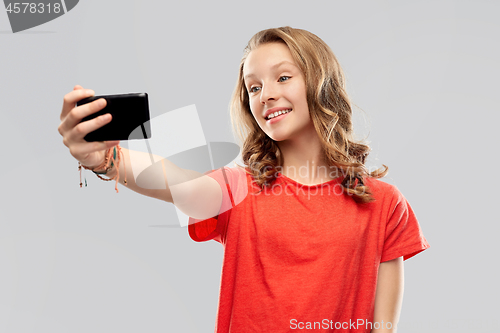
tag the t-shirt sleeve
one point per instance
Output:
(231, 182)
(403, 236)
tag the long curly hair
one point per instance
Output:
(329, 107)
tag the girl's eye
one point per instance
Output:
(252, 89)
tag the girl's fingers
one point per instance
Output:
(70, 99)
(76, 115)
(110, 144)
(83, 128)
(74, 131)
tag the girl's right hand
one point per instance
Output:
(90, 154)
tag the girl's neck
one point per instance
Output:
(303, 161)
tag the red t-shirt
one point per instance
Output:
(303, 257)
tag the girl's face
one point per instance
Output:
(274, 82)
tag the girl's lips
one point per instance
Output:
(278, 118)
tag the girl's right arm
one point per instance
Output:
(195, 194)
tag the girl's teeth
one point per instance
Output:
(272, 115)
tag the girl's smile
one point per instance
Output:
(275, 116)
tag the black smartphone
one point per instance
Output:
(130, 117)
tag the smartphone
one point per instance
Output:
(130, 117)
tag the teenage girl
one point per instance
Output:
(312, 239)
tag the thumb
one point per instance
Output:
(113, 143)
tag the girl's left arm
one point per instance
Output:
(388, 296)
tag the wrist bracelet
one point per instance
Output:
(107, 157)
(105, 171)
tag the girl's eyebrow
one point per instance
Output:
(272, 67)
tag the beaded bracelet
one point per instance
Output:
(105, 163)
(107, 160)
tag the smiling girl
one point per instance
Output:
(312, 240)
(318, 242)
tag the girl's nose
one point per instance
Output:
(267, 93)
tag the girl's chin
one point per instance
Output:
(277, 138)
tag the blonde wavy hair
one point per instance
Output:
(329, 107)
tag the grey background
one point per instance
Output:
(90, 260)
